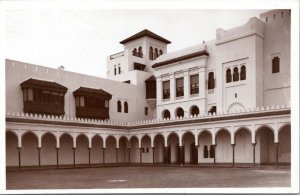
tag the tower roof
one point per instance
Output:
(144, 33)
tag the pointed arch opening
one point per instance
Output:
(159, 144)
(190, 152)
(12, 155)
(48, 150)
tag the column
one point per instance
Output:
(103, 152)
(202, 83)
(186, 84)
(74, 157)
(172, 88)
(214, 148)
(129, 155)
(117, 155)
(181, 155)
(165, 155)
(158, 90)
(197, 148)
(19, 156)
(253, 144)
(233, 164)
(57, 159)
(277, 144)
(89, 155)
(153, 155)
(140, 155)
(39, 155)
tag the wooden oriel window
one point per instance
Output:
(92, 103)
(43, 97)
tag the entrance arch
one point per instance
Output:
(265, 150)
(173, 152)
(147, 156)
(206, 152)
(110, 151)
(190, 152)
(134, 150)
(284, 147)
(82, 152)
(159, 144)
(243, 150)
(97, 150)
(48, 150)
(123, 152)
(29, 152)
(65, 154)
(12, 154)
(223, 153)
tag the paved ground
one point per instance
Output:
(148, 177)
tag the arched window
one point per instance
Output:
(166, 114)
(140, 54)
(212, 152)
(235, 74)
(155, 53)
(125, 107)
(228, 75)
(160, 52)
(115, 70)
(275, 64)
(243, 73)
(194, 111)
(119, 106)
(151, 53)
(134, 52)
(205, 151)
(211, 80)
(179, 112)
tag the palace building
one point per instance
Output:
(224, 101)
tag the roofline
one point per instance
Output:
(181, 58)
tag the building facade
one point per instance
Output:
(224, 101)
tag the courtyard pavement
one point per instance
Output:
(148, 177)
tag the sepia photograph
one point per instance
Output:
(150, 98)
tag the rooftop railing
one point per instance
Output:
(145, 122)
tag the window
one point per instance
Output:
(160, 52)
(213, 109)
(125, 107)
(119, 106)
(146, 111)
(266, 19)
(166, 114)
(151, 53)
(115, 70)
(212, 151)
(179, 112)
(275, 64)
(166, 89)
(235, 74)
(119, 67)
(140, 54)
(194, 111)
(205, 151)
(194, 84)
(179, 87)
(243, 73)
(228, 75)
(134, 52)
(25, 94)
(211, 80)
(155, 53)
(106, 104)
(274, 16)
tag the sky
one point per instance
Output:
(81, 40)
